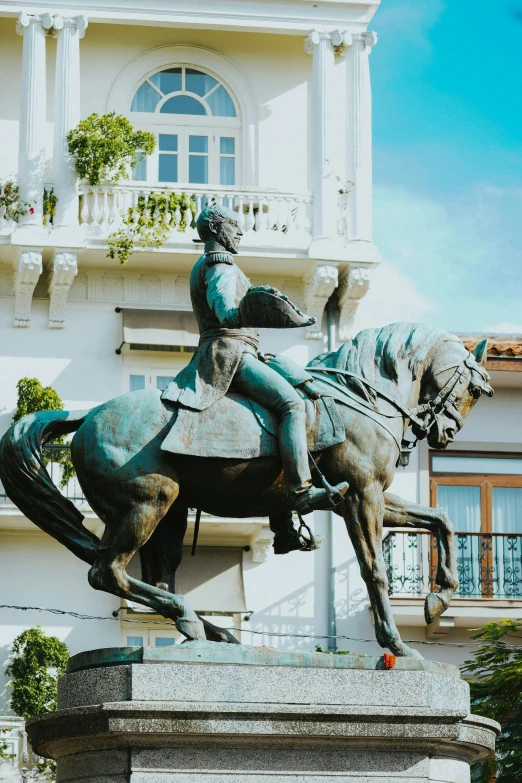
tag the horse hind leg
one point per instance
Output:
(122, 537)
(161, 556)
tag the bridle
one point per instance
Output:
(426, 415)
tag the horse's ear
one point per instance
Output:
(481, 352)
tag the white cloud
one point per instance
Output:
(392, 297)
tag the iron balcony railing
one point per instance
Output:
(489, 565)
(59, 467)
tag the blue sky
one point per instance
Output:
(447, 102)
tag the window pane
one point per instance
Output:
(168, 168)
(483, 465)
(227, 171)
(168, 142)
(198, 143)
(162, 381)
(221, 103)
(227, 145)
(167, 81)
(198, 169)
(507, 510)
(198, 82)
(462, 505)
(182, 104)
(137, 382)
(145, 99)
(162, 641)
(140, 172)
(135, 641)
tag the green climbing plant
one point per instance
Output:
(149, 222)
(33, 397)
(37, 662)
(12, 207)
(105, 147)
(50, 201)
(5, 754)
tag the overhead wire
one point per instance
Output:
(279, 634)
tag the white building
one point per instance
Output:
(267, 107)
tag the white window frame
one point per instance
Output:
(214, 133)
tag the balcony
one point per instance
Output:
(489, 565)
(268, 218)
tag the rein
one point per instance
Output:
(426, 414)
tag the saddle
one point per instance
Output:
(239, 428)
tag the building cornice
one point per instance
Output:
(270, 16)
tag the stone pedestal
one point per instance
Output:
(216, 713)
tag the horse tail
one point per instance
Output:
(28, 484)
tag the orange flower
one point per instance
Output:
(389, 660)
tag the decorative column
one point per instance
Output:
(323, 104)
(69, 31)
(359, 138)
(31, 155)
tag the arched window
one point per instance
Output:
(197, 126)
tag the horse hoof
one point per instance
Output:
(192, 629)
(434, 606)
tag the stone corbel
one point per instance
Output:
(261, 546)
(319, 286)
(353, 286)
(63, 271)
(28, 269)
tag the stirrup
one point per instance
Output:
(314, 499)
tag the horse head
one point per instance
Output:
(453, 381)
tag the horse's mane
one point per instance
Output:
(382, 356)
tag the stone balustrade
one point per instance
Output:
(103, 209)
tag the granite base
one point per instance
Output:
(210, 713)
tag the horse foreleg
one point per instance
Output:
(363, 514)
(401, 513)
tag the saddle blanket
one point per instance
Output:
(238, 428)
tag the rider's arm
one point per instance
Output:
(220, 281)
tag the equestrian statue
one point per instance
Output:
(239, 434)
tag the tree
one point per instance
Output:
(33, 397)
(495, 693)
(37, 661)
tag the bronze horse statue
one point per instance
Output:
(384, 380)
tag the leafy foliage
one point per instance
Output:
(36, 663)
(495, 693)
(11, 205)
(104, 148)
(50, 201)
(150, 221)
(5, 755)
(318, 648)
(33, 397)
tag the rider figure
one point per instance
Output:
(227, 355)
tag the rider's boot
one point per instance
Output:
(294, 455)
(286, 537)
